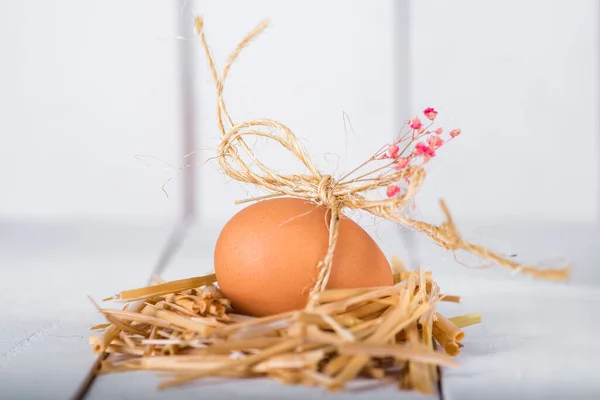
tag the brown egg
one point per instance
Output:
(266, 256)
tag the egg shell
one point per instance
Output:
(266, 256)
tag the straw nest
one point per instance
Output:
(188, 330)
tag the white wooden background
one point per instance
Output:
(88, 85)
(85, 86)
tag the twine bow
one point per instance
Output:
(323, 189)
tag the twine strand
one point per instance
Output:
(323, 189)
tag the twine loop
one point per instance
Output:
(238, 161)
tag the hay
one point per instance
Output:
(190, 332)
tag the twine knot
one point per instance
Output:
(326, 191)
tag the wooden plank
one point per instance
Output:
(536, 341)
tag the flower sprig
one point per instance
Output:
(415, 144)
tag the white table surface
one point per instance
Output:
(536, 340)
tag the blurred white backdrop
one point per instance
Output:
(85, 86)
(88, 85)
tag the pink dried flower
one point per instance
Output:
(422, 149)
(435, 142)
(430, 113)
(455, 132)
(393, 151)
(416, 123)
(438, 131)
(392, 190)
(402, 163)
